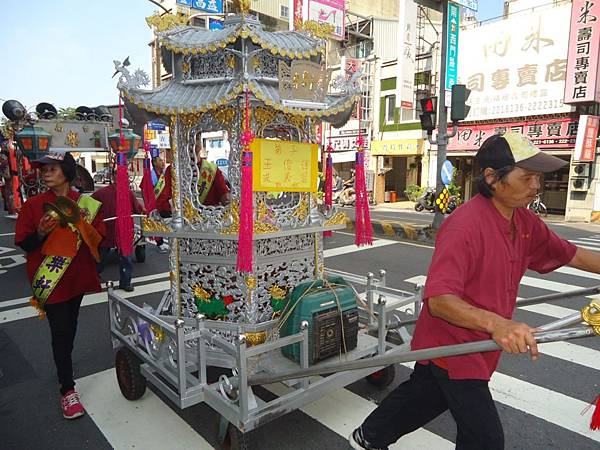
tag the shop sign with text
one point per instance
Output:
(583, 83)
(516, 66)
(557, 133)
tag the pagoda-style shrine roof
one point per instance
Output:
(178, 98)
(194, 40)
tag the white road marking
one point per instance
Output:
(342, 411)
(146, 423)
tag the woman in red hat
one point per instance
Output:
(59, 281)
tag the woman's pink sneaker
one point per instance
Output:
(71, 406)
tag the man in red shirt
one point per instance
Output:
(482, 251)
(108, 197)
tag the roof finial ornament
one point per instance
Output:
(241, 6)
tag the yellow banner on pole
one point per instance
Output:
(284, 166)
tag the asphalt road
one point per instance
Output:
(539, 403)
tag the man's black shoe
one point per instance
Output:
(126, 288)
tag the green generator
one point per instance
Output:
(325, 314)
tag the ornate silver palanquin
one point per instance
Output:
(211, 70)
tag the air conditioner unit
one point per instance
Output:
(580, 184)
(580, 170)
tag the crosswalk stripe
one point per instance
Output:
(578, 273)
(331, 252)
(342, 411)
(146, 423)
(586, 242)
(22, 300)
(549, 405)
(92, 299)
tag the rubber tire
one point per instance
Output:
(382, 378)
(234, 438)
(140, 253)
(131, 382)
(418, 207)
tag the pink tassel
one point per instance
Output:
(328, 185)
(147, 187)
(245, 245)
(364, 231)
(124, 226)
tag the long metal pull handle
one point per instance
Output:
(417, 355)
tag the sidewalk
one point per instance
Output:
(398, 229)
(405, 229)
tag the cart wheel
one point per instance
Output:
(131, 381)
(382, 378)
(230, 438)
(140, 253)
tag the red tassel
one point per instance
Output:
(328, 185)
(245, 245)
(26, 165)
(147, 187)
(595, 423)
(124, 226)
(124, 222)
(364, 231)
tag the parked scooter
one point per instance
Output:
(426, 201)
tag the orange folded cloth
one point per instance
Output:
(62, 241)
(90, 236)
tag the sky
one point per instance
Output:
(489, 9)
(62, 51)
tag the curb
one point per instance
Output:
(397, 230)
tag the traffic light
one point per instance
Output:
(428, 113)
(458, 107)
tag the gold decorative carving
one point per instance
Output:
(234, 212)
(303, 80)
(201, 293)
(241, 6)
(337, 219)
(301, 210)
(185, 67)
(225, 116)
(277, 292)
(264, 116)
(231, 62)
(159, 333)
(72, 139)
(58, 127)
(251, 282)
(189, 212)
(318, 30)
(255, 338)
(151, 225)
(166, 21)
(591, 315)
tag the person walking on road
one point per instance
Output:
(482, 251)
(60, 282)
(108, 197)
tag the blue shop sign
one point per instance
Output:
(211, 6)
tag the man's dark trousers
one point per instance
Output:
(427, 394)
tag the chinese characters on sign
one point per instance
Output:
(583, 81)
(405, 71)
(517, 66)
(397, 147)
(585, 146)
(211, 6)
(452, 53)
(553, 133)
(284, 166)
